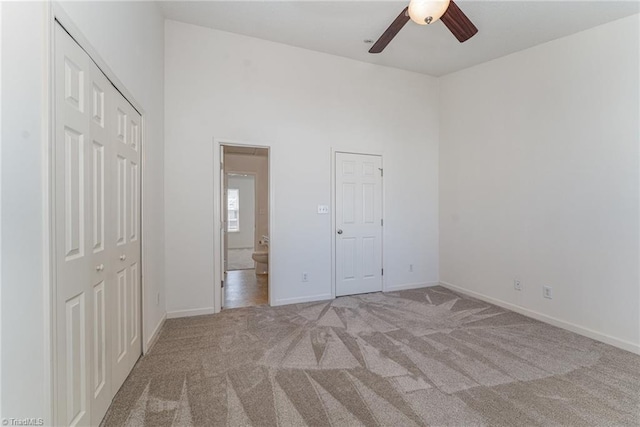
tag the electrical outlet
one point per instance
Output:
(547, 292)
(410, 268)
(305, 277)
(517, 285)
(323, 209)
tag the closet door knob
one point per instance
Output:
(100, 267)
(123, 257)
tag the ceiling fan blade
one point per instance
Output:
(391, 32)
(458, 23)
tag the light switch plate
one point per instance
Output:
(323, 209)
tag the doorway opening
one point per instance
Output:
(245, 229)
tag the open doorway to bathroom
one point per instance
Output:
(245, 202)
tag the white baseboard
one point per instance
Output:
(324, 297)
(410, 286)
(155, 334)
(589, 333)
(299, 300)
(188, 313)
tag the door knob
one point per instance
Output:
(100, 267)
(339, 231)
(123, 257)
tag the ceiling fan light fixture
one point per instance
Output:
(425, 12)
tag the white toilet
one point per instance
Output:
(262, 256)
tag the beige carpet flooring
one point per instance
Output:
(416, 357)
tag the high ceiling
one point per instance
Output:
(340, 27)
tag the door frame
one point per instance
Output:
(54, 12)
(334, 151)
(218, 143)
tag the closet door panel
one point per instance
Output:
(126, 138)
(96, 236)
(73, 225)
(101, 230)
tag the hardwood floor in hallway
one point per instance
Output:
(243, 288)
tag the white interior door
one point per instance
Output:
(358, 208)
(96, 235)
(126, 137)
(84, 389)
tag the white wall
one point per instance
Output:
(244, 238)
(24, 304)
(539, 170)
(129, 37)
(302, 103)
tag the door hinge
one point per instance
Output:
(381, 172)
(382, 272)
(382, 223)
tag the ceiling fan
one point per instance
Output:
(426, 12)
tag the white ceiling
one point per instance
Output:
(339, 27)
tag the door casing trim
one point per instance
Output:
(217, 219)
